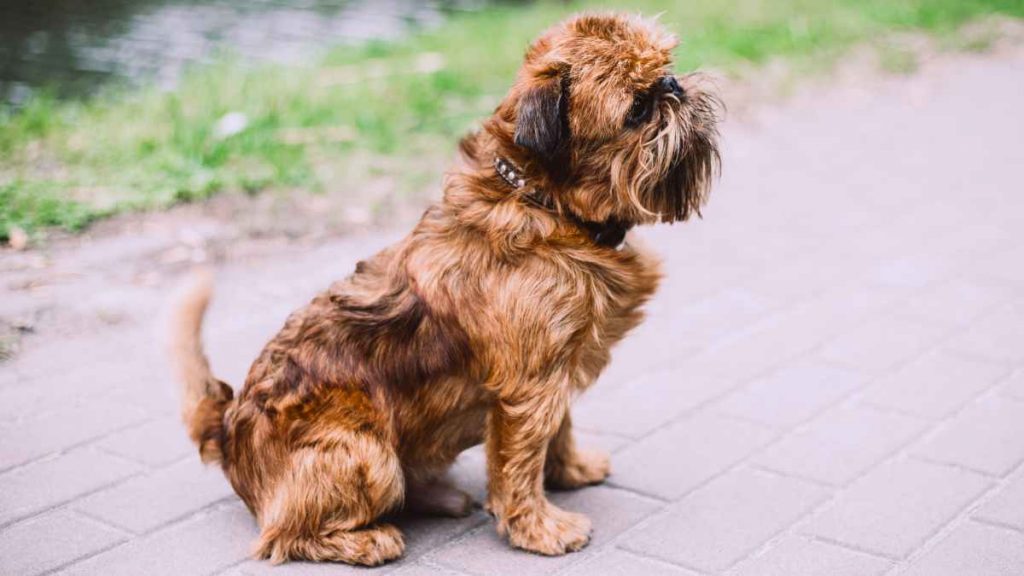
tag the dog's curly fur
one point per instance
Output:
(479, 326)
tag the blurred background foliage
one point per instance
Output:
(379, 109)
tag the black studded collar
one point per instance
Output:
(608, 234)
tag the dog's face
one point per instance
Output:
(598, 107)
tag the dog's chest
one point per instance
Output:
(616, 308)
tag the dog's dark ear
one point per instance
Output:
(542, 119)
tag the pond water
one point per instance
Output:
(73, 47)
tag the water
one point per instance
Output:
(73, 47)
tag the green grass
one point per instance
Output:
(378, 110)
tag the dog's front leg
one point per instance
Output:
(519, 430)
(569, 467)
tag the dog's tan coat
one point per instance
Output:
(480, 326)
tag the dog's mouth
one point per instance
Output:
(667, 176)
(689, 161)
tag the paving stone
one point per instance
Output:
(20, 399)
(646, 348)
(702, 323)
(129, 374)
(693, 275)
(841, 444)
(719, 524)
(47, 483)
(791, 394)
(205, 544)
(72, 368)
(796, 556)
(9, 379)
(797, 281)
(599, 441)
(996, 336)
(652, 399)
(158, 396)
(35, 437)
(1007, 506)
(157, 443)
(976, 550)
(622, 563)
(882, 343)
(757, 350)
(785, 336)
(911, 271)
(934, 386)
(834, 312)
(483, 552)
(644, 403)
(51, 540)
(423, 570)
(146, 502)
(1002, 266)
(894, 508)
(424, 534)
(973, 241)
(1014, 387)
(987, 436)
(680, 457)
(956, 302)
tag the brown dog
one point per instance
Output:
(478, 327)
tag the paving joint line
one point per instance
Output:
(995, 524)
(84, 557)
(136, 536)
(965, 514)
(852, 400)
(62, 503)
(65, 449)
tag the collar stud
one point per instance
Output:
(609, 234)
(509, 173)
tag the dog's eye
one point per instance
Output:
(640, 111)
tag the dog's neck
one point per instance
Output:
(608, 234)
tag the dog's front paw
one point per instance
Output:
(586, 467)
(550, 531)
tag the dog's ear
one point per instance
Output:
(542, 118)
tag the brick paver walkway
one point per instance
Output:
(831, 381)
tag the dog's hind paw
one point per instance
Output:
(585, 468)
(439, 499)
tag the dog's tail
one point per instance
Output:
(204, 397)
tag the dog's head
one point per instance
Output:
(599, 112)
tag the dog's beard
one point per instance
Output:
(666, 176)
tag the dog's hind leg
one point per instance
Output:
(327, 506)
(434, 495)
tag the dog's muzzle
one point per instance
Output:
(669, 85)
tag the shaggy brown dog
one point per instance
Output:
(481, 325)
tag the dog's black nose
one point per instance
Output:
(669, 84)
